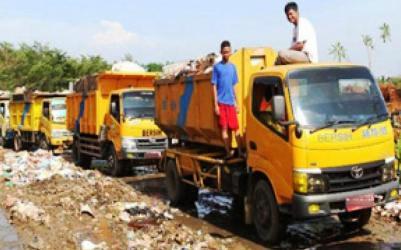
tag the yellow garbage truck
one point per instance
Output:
(5, 136)
(37, 119)
(112, 117)
(318, 141)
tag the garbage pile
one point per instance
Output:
(391, 211)
(202, 65)
(55, 205)
(24, 168)
(209, 201)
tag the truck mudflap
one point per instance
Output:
(309, 206)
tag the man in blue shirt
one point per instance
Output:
(224, 78)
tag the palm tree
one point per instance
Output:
(338, 51)
(385, 32)
(368, 42)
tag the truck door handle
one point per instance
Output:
(253, 145)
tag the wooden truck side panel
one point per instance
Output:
(185, 107)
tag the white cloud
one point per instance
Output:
(113, 33)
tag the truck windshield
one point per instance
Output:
(139, 104)
(346, 96)
(58, 112)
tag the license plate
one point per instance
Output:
(359, 202)
(153, 155)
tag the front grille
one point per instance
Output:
(340, 179)
(144, 144)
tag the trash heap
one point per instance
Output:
(55, 205)
(391, 211)
(25, 168)
(201, 65)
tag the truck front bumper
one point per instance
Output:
(61, 144)
(151, 155)
(335, 203)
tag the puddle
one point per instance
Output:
(8, 237)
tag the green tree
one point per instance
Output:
(368, 42)
(385, 33)
(40, 67)
(338, 52)
(154, 67)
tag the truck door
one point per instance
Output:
(3, 119)
(268, 147)
(45, 120)
(113, 121)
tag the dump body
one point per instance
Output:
(25, 112)
(185, 107)
(88, 105)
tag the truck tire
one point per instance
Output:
(356, 219)
(17, 145)
(78, 157)
(265, 214)
(116, 166)
(175, 187)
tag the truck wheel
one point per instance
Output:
(115, 165)
(265, 214)
(175, 187)
(17, 143)
(356, 219)
(43, 143)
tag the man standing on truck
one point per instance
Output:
(224, 78)
(304, 44)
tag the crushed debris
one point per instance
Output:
(55, 205)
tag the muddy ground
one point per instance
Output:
(328, 233)
(89, 209)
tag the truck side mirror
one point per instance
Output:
(278, 108)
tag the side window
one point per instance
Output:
(115, 107)
(2, 110)
(264, 89)
(46, 110)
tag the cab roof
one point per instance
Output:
(284, 69)
(122, 91)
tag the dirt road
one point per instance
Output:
(53, 204)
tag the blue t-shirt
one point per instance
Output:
(225, 77)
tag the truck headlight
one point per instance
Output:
(389, 171)
(57, 133)
(128, 143)
(305, 183)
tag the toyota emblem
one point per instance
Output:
(357, 172)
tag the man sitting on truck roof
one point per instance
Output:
(224, 78)
(304, 45)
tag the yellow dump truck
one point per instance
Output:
(37, 119)
(324, 147)
(5, 135)
(112, 117)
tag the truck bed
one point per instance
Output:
(185, 107)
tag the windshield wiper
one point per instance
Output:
(370, 121)
(330, 124)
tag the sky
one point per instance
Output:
(161, 30)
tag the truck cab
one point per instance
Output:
(319, 139)
(53, 128)
(131, 125)
(5, 122)
(318, 142)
